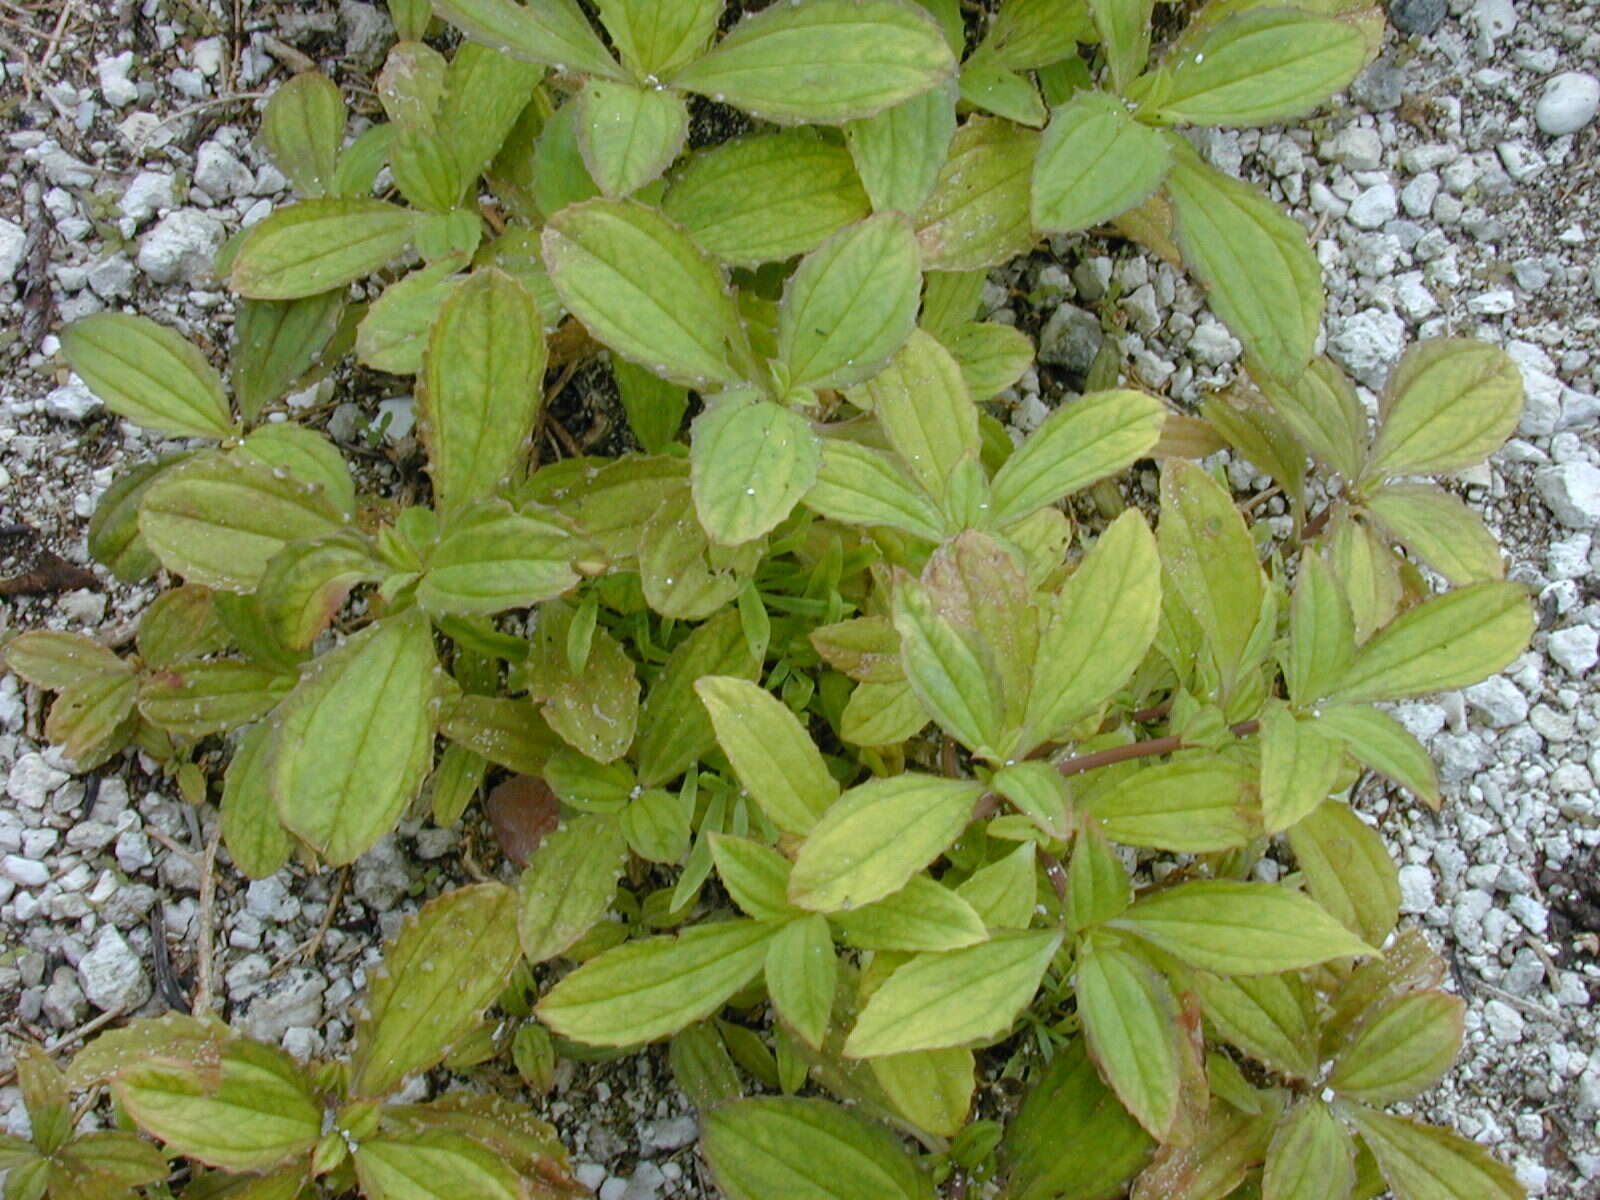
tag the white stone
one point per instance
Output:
(1499, 701)
(32, 780)
(1418, 195)
(1368, 344)
(219, 174)
(667, 1134)
(1494, 303)
(1414, 296)
(72, 401)
(1495, 18)
(1572, 490)
(13, 245)
(180, 247)
(1416, 888)
(1211, 343)
(208, 55)
(148, 194)
(113, 278)
(1570, 102)
(1373, 207)
(1576, 649)
(292, 1000)
(401, 411)
(113, 978)
(119, 91)
(1358, 148)
(25, 872)
(1503, 1022)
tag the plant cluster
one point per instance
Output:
(851, 728)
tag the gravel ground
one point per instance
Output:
(1454, 191)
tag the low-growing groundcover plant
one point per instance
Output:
(847, 729)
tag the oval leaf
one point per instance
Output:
(1095, 162)
(317, 245)
(149, 374)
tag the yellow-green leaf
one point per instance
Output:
(54, 661)
(446, 964)
(1098, 887)
(255, 838)
(1379, 741)
(569, 884)
(1322, 632)
(801, 973)
(302, 128)
(1130, 1019)
(978, 212)
(1270, 1017)
(1439, 529)
(1348, 869)
(1240, 928)
(1449, 404)
(923, 915)
(495, 558)
(196, 699)
(1197, 802)
(433, 1165)
(1401, 1050)
(149, 374)
(1323, 410)
(750, 464)
(317, 245)
(1311, 1156)
(1421, 1162)
(675, 730)
(1124, 29)
(655, 37)
(1299, 765)
(554, 33)
(898, 152)
(774, 757)
(629, 135)
(1210, 560)
(862, 486)
(1095, 162)
(823, 61)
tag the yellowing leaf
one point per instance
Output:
(876, 837)
(850, 304)
(629, 135)
(1099, 628)
(1239, 928)
(644, 289)
(1270, 1017)
(801, 973)
(648, 989)
(149, 374)
(1004, 892)
(882, 714)
(1130, 1019)
(1379, 741)
(750, 464)
(302, 128)
(1098, 887)
(255, 839)
(992, 356)
(393, 336)
(862, 486)
(931, 1088)
(568, 885)
(1439, 529)
(939, 1000)
(483, 384)
(823, 61)
(1195, 803)
(1348, 869)
(1449, 404)
(307, 456)
(1323, 410)
(196, 699)
(1210, 560)
(1095, 162)
(774, 757)
(1258, 271)
(433, 1165)
(90, 718)
(446, 965)
(552, 32)
(54, 661)
(775, 1146)
(950, 672)
(898, 152)
(657, 36)
(756, 876)
(1321, 631)
(1256, 67)
(354, 740)
(923, 915)
(317, 245)
(1299, 765)
(766, 196)
(921, 402)
(977, 215)
(1447, 641)
(1401, 1050)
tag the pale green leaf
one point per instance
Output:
(1270, 1017)
(194, 700)
(756, 876)
(1449, 404)
(393, 336)
(1421, 1162)
(655, 407)
(1028, 34)
(1095, 162)
(1322, 632)
(1098, 887)
(862, 486)
(317, 245)
(114, 538)
(657, 826)
(629, 135)
(967, 995)
(1311, 1157)
(978, 212)
(1348, 869)
(770, 750)
(1099, 627)
(992, 356)
(507, 732)
(1447, 641)
(674, 729)
(850, 304)
(1379, 741)
(1259, 273)
(1124, 29)
(648, 989)
(306, 583)
(1239, 928)
(801, 973)
(931, 1088)
(882, 714)
(276, 343)
(777, 1146)
(308, 456)
(1003, 893)
(354, 740)
(554, 33)
(876, 837)
(1095, 436)
(766, 196)
(1004, 93)
(89, 720)
(899, 151)
(1299, 766)
(750, 465)
(644, 289)
(1037, 790)
(823, 61)
(433, 1165)
(54, 661)
(1209, 559)
(1257, 67)
(593, 707)
(1194, 803)
(923, 915)
(1130, 1019)
(495, 558)
(302, 128)
(482, 387)
(568, 884)
(444, 966)
(922, 403)
(1439, 529)
(1401, 1050)
(149, 374)
(1323, 410)
(949, 673)
(682, 574)
(655, 37)
(256, 841)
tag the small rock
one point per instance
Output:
(366, 31)
(668, 1134)
(1418, 18)
(1070, 339)
(381, 876)
(285, 1003)
(1503, 1022)
(220, 175)
(13, 245)
(1576, 649)
(119, 91)
(1381, 87)
(180, 247)
(208, 55)
(1368, 343)
(1495, 18)
(25, 872)
(113, 278)
(149, 193)
(1373, 207)
(64, 1001)
(1416, 888)
(1570, 102)
(401, 414)
(1358, 148)
(32, 780)
(1572, 491)
(1212, 344)
(72, 401)
(113, 978)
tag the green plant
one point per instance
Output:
(843, 660)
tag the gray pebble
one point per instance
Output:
(1417, 17)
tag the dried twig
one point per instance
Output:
(204, 998)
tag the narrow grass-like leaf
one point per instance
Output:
(652, 988)
(1240, 928)
(354, 740)
(446, 965)
(149, 374)
(823, 61)
(318, 245)
(1095, 162)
